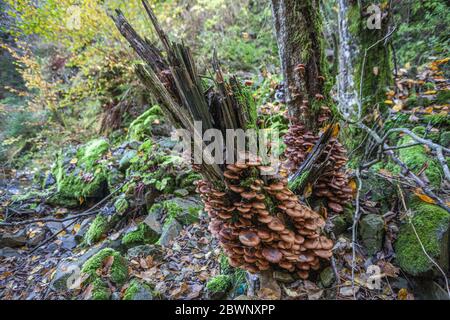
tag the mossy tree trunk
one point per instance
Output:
(298, 26)
(373, 63)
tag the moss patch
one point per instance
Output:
(219, 284)
(141, 127)
(100, 290)
(430, 222)
(96, 230)
(118, 270)
(135, 288)
(416, 157)
(142, 235)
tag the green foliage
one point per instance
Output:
(118, 271)
(430, 222)
(422, 31)
(142, 235)
(219, 284)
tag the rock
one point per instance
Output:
(38, 237)
(145, 250)
(13, 240)
(54, 226)
(372, 232)
(339, 225)
(143, 234)
(84, 226)
(124, 162)
(152, 220)
(118, 270)
(7, 252)
(170, 232)
(138, 291)
(69, 266)
(185, 210)
(68, 242)
(432, 226)
(426, 289)
(283, 277)
(327, 277)
(181, 193)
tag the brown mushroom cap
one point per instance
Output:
(276, 225)
(336, 207)
(236, 189)
(272, 255)
(249, 238)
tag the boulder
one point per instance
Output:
(13, 240)
(170, 231)
(432, 226)
(372, 232)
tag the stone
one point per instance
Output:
(13, 240)
(7, 252)
(327, 277)
(152, 220)
(339, 225)
(426, 289)
(181, 193)
(84, 227)
(145, 250)
(68, 242)
(283, 277)
(372, 232)
(124, 162)
(170, 232)
(431, 223)
(138, 291)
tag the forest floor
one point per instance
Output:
(35, 255)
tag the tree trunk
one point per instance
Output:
(374, 61)
(298, 28)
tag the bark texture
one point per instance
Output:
(298, 27)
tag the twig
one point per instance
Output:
(354, 229)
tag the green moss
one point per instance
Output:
(118, 271)
(121, 204)
(430, 222)
(142, 235)
(96, 230)
(140, 128)
(79, 175)
(134, 288)
(100, 291)
(220, 283)
(437, 119)
(443, 97)
(416, 157)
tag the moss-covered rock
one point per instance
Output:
(100, 290)
(142, 235)
(431, 223)
(416, 157)
(372, 232)
(141, 127)
(96, 230)
(79, 174)
(218, 286)
(138, 291)
(118, 271)
(121, 204)
(444, 139)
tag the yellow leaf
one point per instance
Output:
(402, 294)
(76, 227)
(74, 161)
(430, 92)
(418, 192)
(81, 200)
(428, 110)
(308, 190)
(390, 102)
(352, 185)
(336, 129)
(397, 107)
